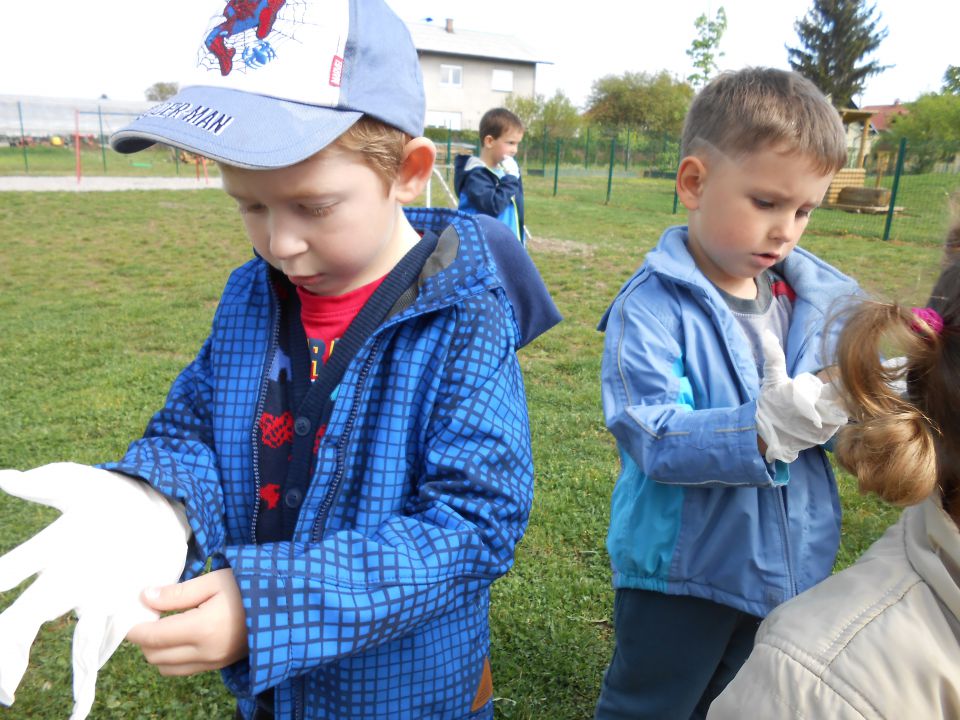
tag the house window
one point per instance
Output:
(440, 118)
(502, 80)
(451, 75)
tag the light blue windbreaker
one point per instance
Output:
(697, 510)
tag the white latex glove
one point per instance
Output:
(116, 536)
(794, 414)
(510, 167)
(897, 367)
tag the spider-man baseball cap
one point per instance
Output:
(278, 80)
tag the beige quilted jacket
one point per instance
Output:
(880, 639)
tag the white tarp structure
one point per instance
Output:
(43, 117)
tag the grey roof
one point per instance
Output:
(433, 37)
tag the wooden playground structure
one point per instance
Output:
(848, 191)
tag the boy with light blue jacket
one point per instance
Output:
(726, 504)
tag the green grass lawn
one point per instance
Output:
(107, 295)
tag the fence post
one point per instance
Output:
(76, 143)
(626, 155)
(613, 157)
(556, 168)
(449, 156)
(544, 152)
(586, 152)
(893, 190)
(23, 140)
(103, 149)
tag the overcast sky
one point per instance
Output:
(119, 48)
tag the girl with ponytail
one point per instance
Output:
(881, 639)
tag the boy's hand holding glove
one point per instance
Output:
(510, 167)
(116, 537)
(794, 414)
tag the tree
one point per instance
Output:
(932, 129)
(556, 117)
(951, 80)
(528, 108)
(560, 116)
(641, 101)
(160, 91)
(705, 48)
(836, 35)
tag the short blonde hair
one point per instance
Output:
(380, 145)
(757, 109)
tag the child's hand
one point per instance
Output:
(510, 167)
(210, 632)
(793, 414)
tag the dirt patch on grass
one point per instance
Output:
(559, 246)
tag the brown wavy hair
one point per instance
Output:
(905, 448)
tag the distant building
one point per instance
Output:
(465, 73)
(864, 124)
(881, 115)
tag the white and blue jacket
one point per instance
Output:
(697, 510)
(480, 190)
(377, 607)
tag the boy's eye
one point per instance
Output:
(804, 212)
(318, 210)
(246, 208)
(762, 204)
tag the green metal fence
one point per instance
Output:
(903, 193)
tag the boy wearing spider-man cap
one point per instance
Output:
(350, 449)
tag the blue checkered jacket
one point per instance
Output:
(378, 607)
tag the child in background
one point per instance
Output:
(881, 639)
(350, 449)
(726, 505)
(490, 184)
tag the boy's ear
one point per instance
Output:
(690, 178)
(488, 140)
(415, 169)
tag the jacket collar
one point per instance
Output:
(817, 282)
(933, 548)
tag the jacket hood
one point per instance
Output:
(476, 253)
(819, 283)
(462, 164)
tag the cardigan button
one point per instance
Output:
(293, 498)
(302, 426)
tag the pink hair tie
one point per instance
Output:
(929, 316)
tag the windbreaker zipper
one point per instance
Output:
(254, 433)
(324, 510)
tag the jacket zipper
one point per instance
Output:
(782, 495)
(320, 523)
(271, 352)
(299, 688)
(781, 492)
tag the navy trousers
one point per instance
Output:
(674, 654)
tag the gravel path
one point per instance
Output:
(40, 183)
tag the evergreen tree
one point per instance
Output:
(836, 35)
(951, 80)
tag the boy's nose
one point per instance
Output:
(785, 230)
(285, 240)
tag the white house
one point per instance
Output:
(465, 73)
